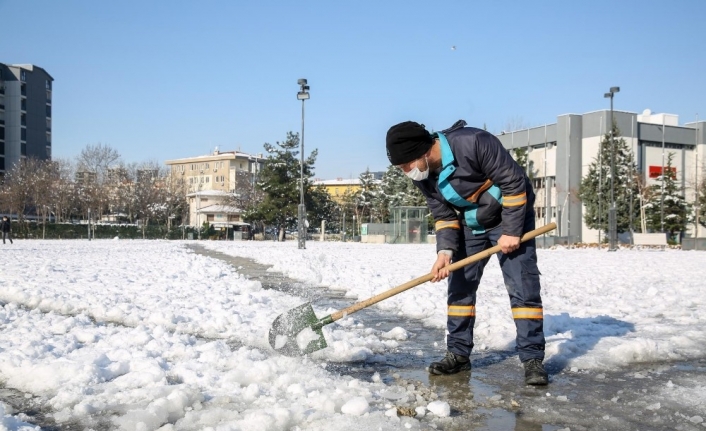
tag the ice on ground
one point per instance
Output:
(439, 408)
(397, 333)
(356, 406)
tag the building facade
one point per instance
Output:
(562, 152)
(339, 188)
(212, 179)
(25, 114)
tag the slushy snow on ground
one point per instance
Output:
(150, 335)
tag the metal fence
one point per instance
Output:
(693, 244)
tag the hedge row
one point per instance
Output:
(78, 231)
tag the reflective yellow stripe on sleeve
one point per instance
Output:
(447, 225)
(462, 310)
(527, 313)
(515, 200)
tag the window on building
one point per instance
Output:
(48, 111)
(23, 148)
(2, 133)
(48, 84)
(23, 134)
(23, 76)
(48, 152)
(48, 124)
(23, 119)
(23, 104)
(23, 89)
(48, 138)
(2, 148)
(208, 179)
(2, 163)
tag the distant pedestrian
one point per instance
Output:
(6, 228)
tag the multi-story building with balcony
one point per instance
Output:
(25, 114)
(211, 179)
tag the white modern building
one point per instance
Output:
(561, 153)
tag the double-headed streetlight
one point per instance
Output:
(302, 95)
(612, 216)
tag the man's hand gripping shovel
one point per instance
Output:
(298, 331)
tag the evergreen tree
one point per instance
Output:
(521, 156)
(279, 182)
(396, 190)
(595, 186)
(365, 197)
(666, 203)
(320, 206)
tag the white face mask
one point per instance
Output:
(416, 175)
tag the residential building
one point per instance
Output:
(25, 114)
(339, 187)
(562, 152)
(85, 178)
(212, 179)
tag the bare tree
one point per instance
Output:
(42, 188)
(63, 190)
(148, 193)
(515, 123)
(18, 187)
(174, 194)
(98, 159)
(245, 196)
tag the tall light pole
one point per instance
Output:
(302, 95)
(612, 216)
(661, 198)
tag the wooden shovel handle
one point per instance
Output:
(423, 279)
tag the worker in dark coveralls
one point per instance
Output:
(479, 197)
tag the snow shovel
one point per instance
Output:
(298, 331)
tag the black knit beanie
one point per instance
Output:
(407, 142)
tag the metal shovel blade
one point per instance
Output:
(297, 332)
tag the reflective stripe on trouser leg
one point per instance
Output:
(461, 301)
(522, 282)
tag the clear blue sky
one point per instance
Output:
(159, 80)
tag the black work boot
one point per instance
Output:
(451, 364)
(535, 373)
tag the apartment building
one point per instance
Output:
(211, 179)
(25, 114)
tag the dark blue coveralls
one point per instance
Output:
(480, 194)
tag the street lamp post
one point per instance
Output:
(612, 216)
(302, 95)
